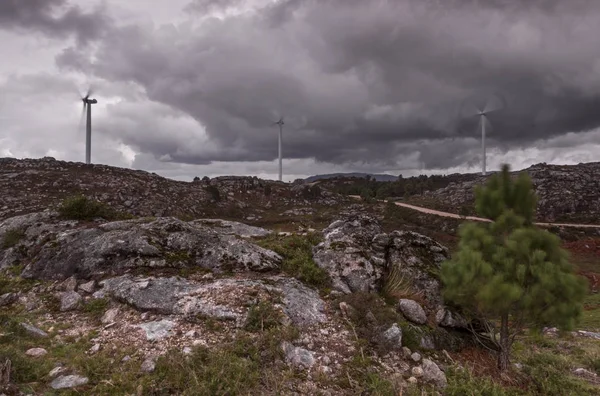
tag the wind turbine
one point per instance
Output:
(87, 104)
(281, 124)
(491, 104)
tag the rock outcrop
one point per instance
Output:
(566, 193)
(61, 249)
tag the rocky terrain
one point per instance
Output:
(33, 185)
(257, 288)
(566, 193)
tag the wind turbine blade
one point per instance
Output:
(468, 109)
(81, 117)
(494, 103)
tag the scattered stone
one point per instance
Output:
(433, 374)
(95, 348)
(393, 336)
(417, 372)
(588, 334)
(157, 330)
(88, 287)
(412, 311)
(34, 331)
(298, 357)
(110, 316)
(412, 380)
(406, 351)
(191, 334)
(69, 301)
(56, 371)
(125, 359)
(36, 352)
(584, 373)
(8, 299)
(416, 357)
(68, 381)
(518, 366)
(187, 350)
(69, 284)
(148, 365)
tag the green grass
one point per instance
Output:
(96, 308)
(83, 208)
(263, 316)
(296, 251)
(12, 238)
(590, 318)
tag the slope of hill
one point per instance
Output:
(32, 185)
(566, 193)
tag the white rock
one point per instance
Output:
(148, 365)
(187, 350)
(95, 348)
(412, 380)
(69, 301)
(68, 381)
(56, 371)
(36, 352)
(433, 374)
(88, 287)
(412, 311)
(417, 372)
(110, 316)
(157, 330)
(126, 358)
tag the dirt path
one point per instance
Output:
(473, 218)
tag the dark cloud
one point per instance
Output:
(204, 6)
(371, 81)
(56, 18)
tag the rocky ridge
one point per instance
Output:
(566, 193)
(33, 185)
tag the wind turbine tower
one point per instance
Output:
(492, 104)
(281, 124)
(87, 103)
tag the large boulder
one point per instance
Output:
(112, 248)
(222, 299)
(418, 260)
(353, 253)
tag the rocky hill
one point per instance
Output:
(37, 184)
(566, 193)
(156, 290)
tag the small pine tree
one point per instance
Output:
(509, 272)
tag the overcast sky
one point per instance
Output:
(191, 87)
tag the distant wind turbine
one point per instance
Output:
(492, 104)
(87, 104)
(281, 124)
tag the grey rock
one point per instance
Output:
(148, 365)
(68, 381)
(350, 256)
(298, 357)
(115, 247)
(95, 348)
(416, 357)
(234, 228)
(110, 316)
(88, 287)
(157, 330)
(34, 331)
(8, 299)
(56, 371)
(36, 352)
(69, 301)
(412, 311)
(588, 334)
(125, 359)
(69, 284)
(187, 350)
(433, 375)
(412, 380)
(393, 336)
(417, 372)
(406, 351)
(581, 372)
(427, 342)
(191, 299)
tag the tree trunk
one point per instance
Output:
(504, 355)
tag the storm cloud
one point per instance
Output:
(381, 84)
(56, 18)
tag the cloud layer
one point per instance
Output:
(376, 82)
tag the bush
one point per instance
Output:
(83, 208)
(297, 258)
(214, 193)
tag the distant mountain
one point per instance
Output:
(355, 174)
